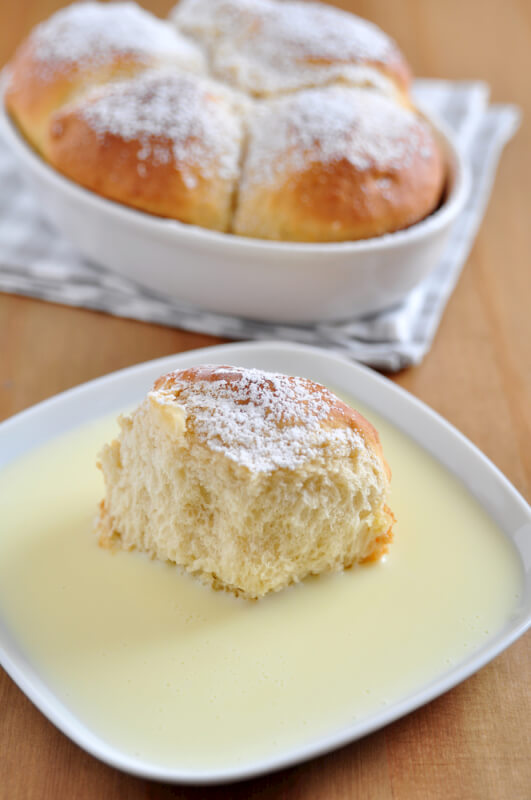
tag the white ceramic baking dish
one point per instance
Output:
(273, 281)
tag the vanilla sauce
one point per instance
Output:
(171, 671)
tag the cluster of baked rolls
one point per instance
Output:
(277, 120)
(250, 480)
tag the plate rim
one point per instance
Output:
(42, 696)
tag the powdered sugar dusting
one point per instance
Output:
(261, 420)
(266, 46)
(364, 128)
(280, 76)
(96, 33)
(177, 118)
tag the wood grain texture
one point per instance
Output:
(474, 742)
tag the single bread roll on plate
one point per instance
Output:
(266, 47)
(248, 479)
(164, 142)
(83, 45)
(336, 164)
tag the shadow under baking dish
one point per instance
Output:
(270, 281)
(161, 676)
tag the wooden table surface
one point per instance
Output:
(474, 742)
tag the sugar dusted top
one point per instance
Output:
(177, 118)
(263, 420)
(95, 33)
(281, 46)
(361, 127)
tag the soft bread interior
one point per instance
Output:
(171, 496)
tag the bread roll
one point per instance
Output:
(83, 45)
(265, 47)
(248, 479)
(337, 163)
(164, 142)
(304, 131)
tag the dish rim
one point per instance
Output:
(363, 381)
(194, 234)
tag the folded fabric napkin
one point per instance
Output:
(37, 261)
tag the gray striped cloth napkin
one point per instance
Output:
(37, 261)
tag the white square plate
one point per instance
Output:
(38, 425)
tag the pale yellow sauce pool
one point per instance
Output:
(171, 671)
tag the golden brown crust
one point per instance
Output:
(377, 170)
(188, 174)
(82, 46)
(34, 93)
(382, 542)
(108, 165)
(338, 202)
(327, 200)
(339, 415)
(268, 47)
